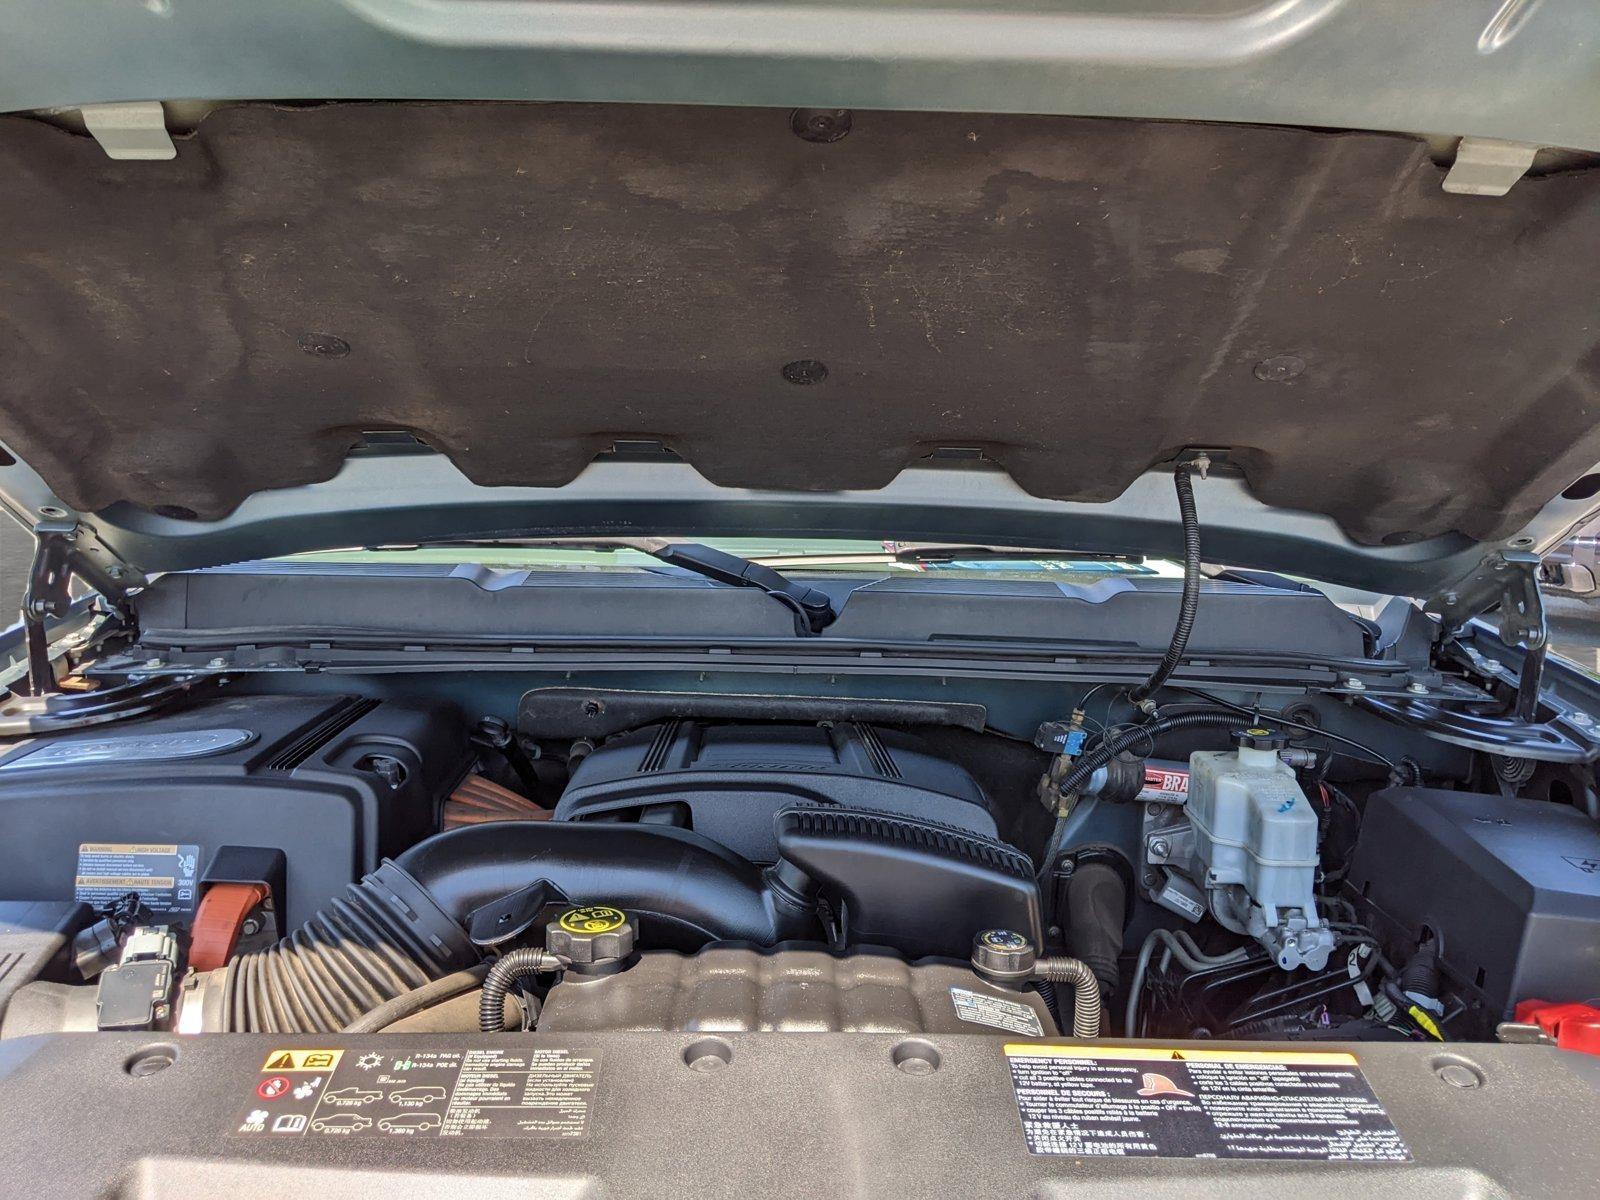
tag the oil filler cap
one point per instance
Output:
(1003, 956)
(594, 938)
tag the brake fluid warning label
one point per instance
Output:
(164, 875)
(1100, 1102)
(312, 1092)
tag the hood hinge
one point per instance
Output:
(1507, 581)
(49, 597)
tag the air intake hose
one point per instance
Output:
(384, 938)
(403, 925)
(683, 889)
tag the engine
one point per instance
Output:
(317, 864)
(259, 864)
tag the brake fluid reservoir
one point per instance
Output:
(1255, 839)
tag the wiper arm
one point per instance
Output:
(813, 611)
(919, 552)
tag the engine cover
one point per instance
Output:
(335, 782)
(728, 782)
(732, 987)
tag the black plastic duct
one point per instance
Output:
(683, 889)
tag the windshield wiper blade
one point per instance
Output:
(956, 552)
(813, 611)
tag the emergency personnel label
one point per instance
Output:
(996, 1012)
(164, 875)
(1136, 1102)
(532, 1092)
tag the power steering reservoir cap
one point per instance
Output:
(593, 934)
(1003, 955)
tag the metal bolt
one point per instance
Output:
(1355, 685)
(154, 662)
(1159, 849)
(1581, 718)
(218, 661)
(1459, 1075)
(1451, 598)
(251, 926)
(1417, 689)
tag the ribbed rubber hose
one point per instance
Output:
(1109, 748)
(1085, 992)
(385, 937)
(508, 968)
(1191, 588)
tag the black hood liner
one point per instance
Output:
(522, 285)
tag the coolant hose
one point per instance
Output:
(1085, 992)
(1190, 601)
(1097, 901)
(1110, 747)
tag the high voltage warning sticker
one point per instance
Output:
(1099, 1102)
(302, 1060)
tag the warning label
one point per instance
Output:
(1164, 786)
(163, 874)
(1137, 1102)
(1011, 1015)
(302, 1060)
(541, 1093)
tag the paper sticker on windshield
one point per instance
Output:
(164, 874)
(1134, 1102)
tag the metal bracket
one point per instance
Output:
(1488, 166)
(1507, 581)
(134, 131)
(56, 559)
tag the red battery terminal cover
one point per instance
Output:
(1573, 1026)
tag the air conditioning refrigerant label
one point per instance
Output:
(527, 1092)
(164, 874)
(1128, 1102)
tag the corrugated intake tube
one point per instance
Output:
(385, 937)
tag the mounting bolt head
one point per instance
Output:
(1417, 689)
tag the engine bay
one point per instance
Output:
(247, 861)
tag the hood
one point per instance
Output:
(912, 324)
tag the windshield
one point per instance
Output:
(790, 554)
